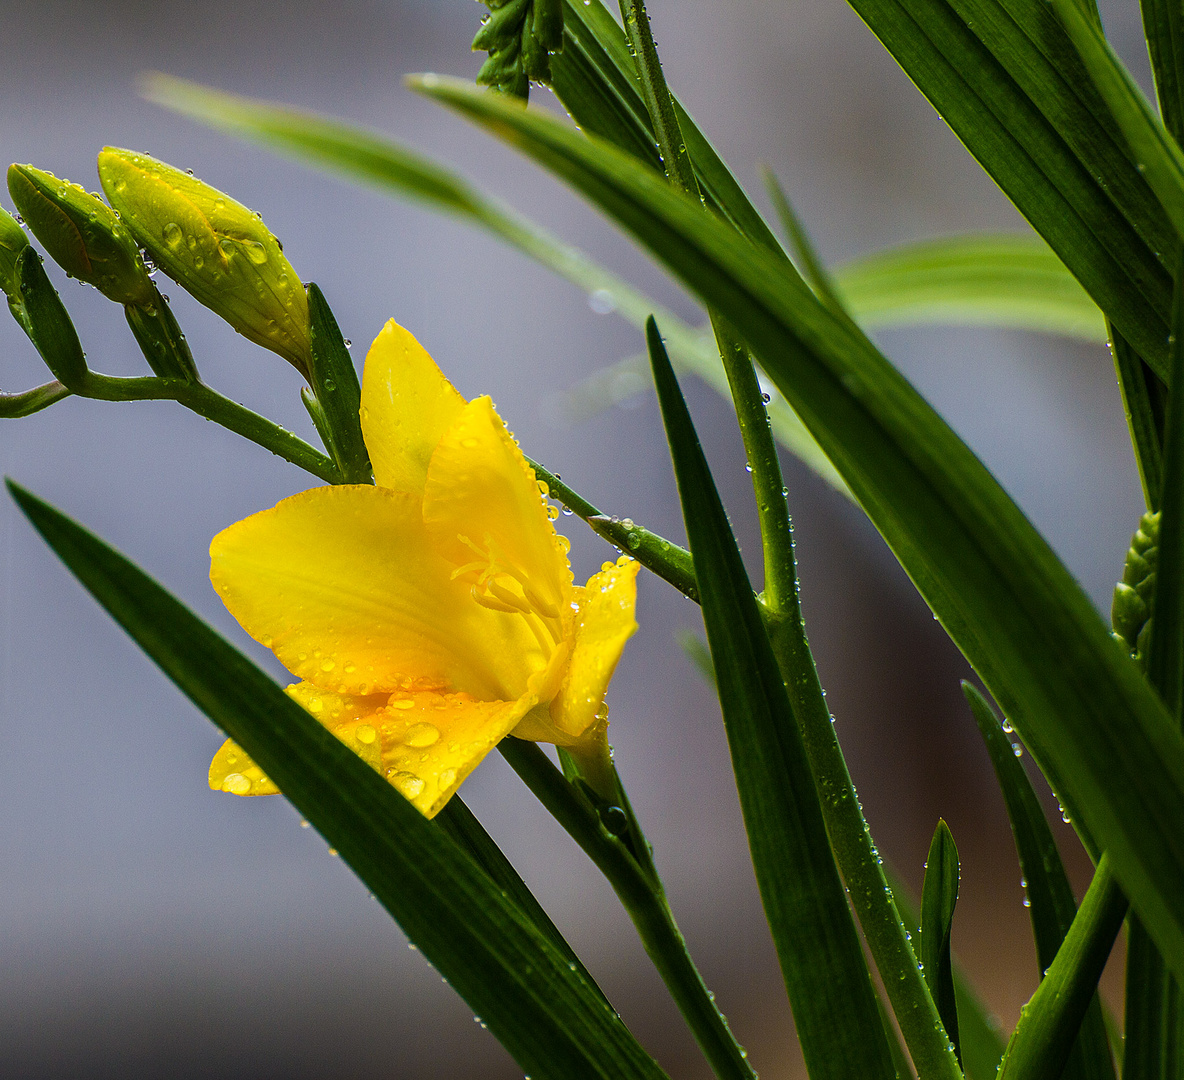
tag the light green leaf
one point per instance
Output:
(539, 1006)
(1098, 732)
(1006, 280)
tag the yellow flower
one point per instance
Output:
(433, 614)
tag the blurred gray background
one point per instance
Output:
(150, 927)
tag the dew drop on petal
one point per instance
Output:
(236, 784)
(421, 735)
(366, 734)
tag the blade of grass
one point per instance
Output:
(1142, 401)
(542, 1010)
(830, 990)
(1094, 726)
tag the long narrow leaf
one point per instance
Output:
(830, 988)
(1097, 730)
(939, 895)
(540, 1008)
(363, 155)
(1005, 280)
(1048, 893)
(1004, 76)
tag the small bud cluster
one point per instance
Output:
(519, 36)
(1134, 595)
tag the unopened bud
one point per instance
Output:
(12, 242)
(213, 247)
(81, 234)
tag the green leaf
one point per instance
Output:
(1143, 395)
(1010, 84)
(1049, 1023)
(1163, 24)
(28, 402)
(542, 1010)
(365, 156)
(939, 895)
(1047, 891)
(1096, 729)
(334, 382)
(1153, 1013)
(834, 1005)
(1005, 280)
(982, 1045)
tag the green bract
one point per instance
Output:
(82, 234)
(12, 242)
(213, 247)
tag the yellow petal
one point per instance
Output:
(603, 624)
(232, 770)
(407, 405)
(483, 507)
(343, 584)
(432, 741)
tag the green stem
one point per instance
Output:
(206, 402)
(857, 857)
(626, 862)
(30, 401)
(669, 561)
(1049, 1023)
(1142, 402)
(759, 445)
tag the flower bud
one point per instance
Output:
(12, 242)
(81, 234)
(213, 247)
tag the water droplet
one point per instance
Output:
(408, 784)
(236, 784)
(447, 779)
(402, 703)
(602, 301)
(255, 252)
(568, 511)
(1017, 749)
(172, 235)
(421, 735)
(1007, 728)
(349, 344)
(303, 824)
(328, 665)
(333, 852)
(366, 734)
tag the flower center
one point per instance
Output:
(501, 585)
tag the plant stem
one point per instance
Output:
(206, 402)
(626, 861)
(30, 401)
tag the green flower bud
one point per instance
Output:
(214, 248)
(82, 234)
(12, 242)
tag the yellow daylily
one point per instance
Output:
(433, 614)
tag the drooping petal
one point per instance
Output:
(232, 770)
(407, 405)
(432, 741)
(344, 586)
(482, 506)
(604, 623)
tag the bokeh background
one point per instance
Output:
(150, 927)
